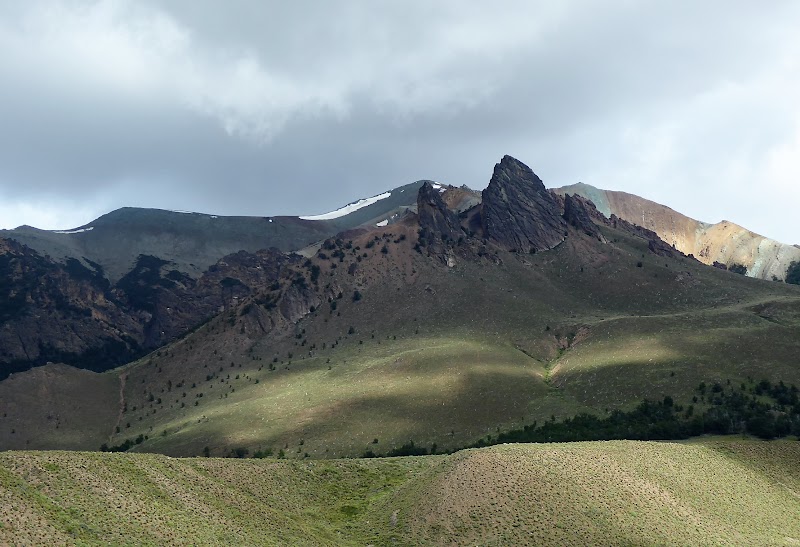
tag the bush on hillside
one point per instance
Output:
(740, 269)
(793, 273)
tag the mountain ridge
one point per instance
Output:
(725, 243)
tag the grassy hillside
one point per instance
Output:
(445, 355)
(448, 355)
(621, 492)
(58, 406)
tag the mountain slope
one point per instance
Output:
(620, 492)
(134, 279)
(71, 314)
(403, 333)
(725, 242)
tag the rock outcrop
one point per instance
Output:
(519, 214)
(70, 313)
(439, 227)
(56, 312)
(434, 217)
(578, 213)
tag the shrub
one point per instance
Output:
(740, 269)
(793, 273)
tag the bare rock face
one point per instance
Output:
(435, 218)
(53, 312)
(171, 303)
(70, 313)
(578, 213)
(518, 211)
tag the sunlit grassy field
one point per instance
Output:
(619, 492)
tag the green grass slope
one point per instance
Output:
(621, 492)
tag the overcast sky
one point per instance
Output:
(264, 108)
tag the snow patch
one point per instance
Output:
(383, 223)
(270, 220)
(78, 231)
(213, 216)
(181, 212)
(347, 209)
(436, 185)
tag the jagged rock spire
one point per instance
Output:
(518, 211)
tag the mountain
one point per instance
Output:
(724, 243)
(103, 294)
(443, 327)
(191, 242)
(437, 326)
(730, 492)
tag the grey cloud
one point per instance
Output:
(268, 108)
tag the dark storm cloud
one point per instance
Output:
(267, 108)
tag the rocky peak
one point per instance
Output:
(434, 217)
(518, 211)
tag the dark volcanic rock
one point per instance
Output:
(172, 303)
(434, 217)
(70, 313)
(518, 212)
(439, 227)
(577, 213)
(59, 312)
